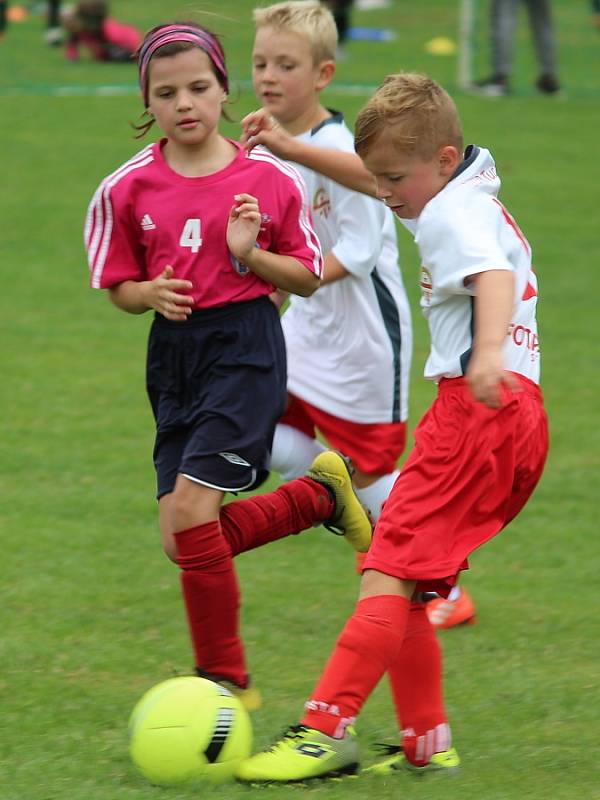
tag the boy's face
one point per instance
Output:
(407, 183)
(286, 79)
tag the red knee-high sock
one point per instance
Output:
(369, 643)
(416, 682)
(290, 509)
(212, 600)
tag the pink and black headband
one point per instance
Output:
(180, 33)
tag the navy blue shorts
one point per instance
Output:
(217, 386)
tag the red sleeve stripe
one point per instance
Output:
(312, 242)
(99, 220)
(513, 224)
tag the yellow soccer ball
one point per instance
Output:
(187, 729)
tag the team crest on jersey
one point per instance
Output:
(265, 219)
(426, 285)
(240, 268)
(321, 203)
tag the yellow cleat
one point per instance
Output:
(350, 518)
(447, 762)
(302, 754)
(250, 697)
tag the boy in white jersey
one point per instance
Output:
(349, 345)
(479, 450)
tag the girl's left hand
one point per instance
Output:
(243, 227)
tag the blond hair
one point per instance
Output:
(419, 115)
(307, 18)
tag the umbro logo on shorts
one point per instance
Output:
(233, 458)
(147, 223)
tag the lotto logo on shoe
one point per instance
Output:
(313, 750)
(233, 458)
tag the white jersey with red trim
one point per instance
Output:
(349, 345)
(145, 216)
(462, 231)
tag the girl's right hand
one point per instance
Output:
(164, 294)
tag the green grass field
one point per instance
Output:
(90, 608)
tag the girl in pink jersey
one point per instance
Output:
(201, 232)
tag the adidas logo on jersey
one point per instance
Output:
(147, 223)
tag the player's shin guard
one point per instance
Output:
(293, 451)
(374, 496)
(212, 600)
(290, 509)
(369, 643)
(416, 682)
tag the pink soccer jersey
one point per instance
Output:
(145, 216)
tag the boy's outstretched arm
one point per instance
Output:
(259, 127)
(494, 300)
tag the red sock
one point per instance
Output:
(416, 682)
(369, 643)
(292, 508)
(212, 600)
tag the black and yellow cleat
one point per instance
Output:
(303, 754)
(249, 695)
(447, 762)
(350, 518)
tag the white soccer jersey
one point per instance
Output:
(462, 231)
(349, 345)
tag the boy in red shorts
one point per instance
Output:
(479, 450)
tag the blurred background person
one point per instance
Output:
(53, 33)
(503, 23)
(89, 25)
(596, 13)
(3, 10)
(341, 13)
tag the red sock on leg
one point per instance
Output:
(212, 600)
(290, 509)
(416, 682)
(370, 641)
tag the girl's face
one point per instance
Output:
(185, 97)
(407, 183)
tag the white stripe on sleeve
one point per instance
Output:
(312, 242)
(99, 219)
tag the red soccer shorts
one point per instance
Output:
(373, 447)
(471, 471)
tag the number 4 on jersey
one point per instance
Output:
(191, 235)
